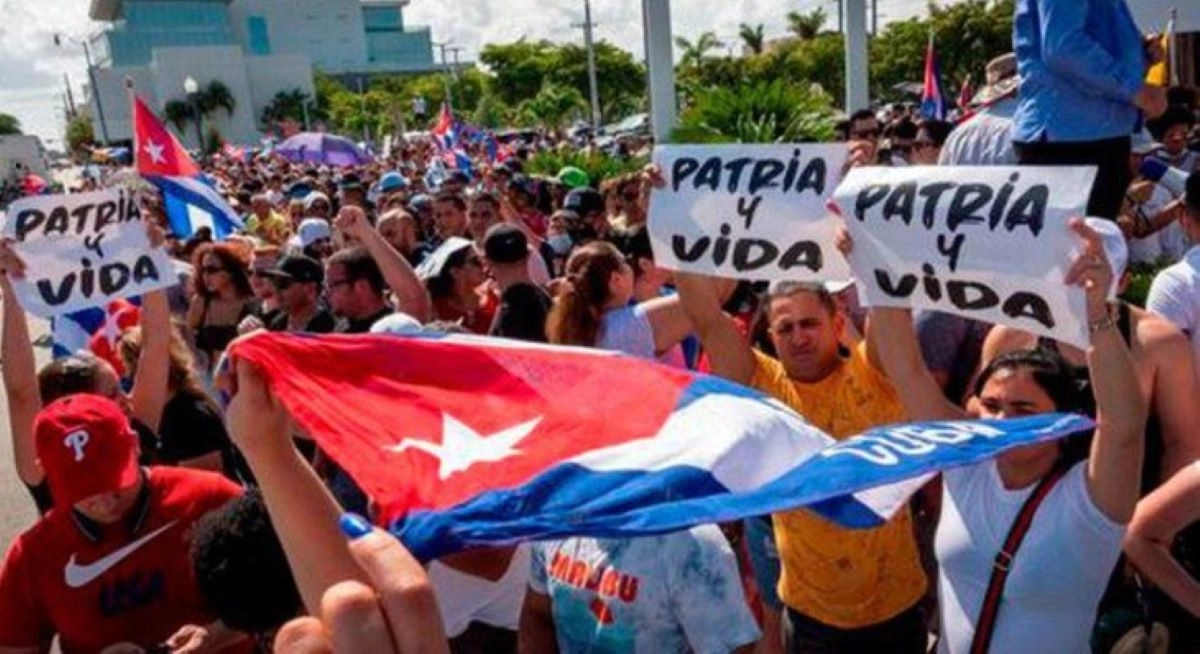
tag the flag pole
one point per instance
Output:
(1172, 59)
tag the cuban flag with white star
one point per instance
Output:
(189, 199)
(467, 441)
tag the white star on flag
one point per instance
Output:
(463, 447)
(156, 152)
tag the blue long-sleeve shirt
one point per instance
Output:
(1081, 63)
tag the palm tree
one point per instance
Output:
(694, 52)
(216, 96)
(9, 124)
(179, 113)
(806, 26)
(752, 37)
(286, 105)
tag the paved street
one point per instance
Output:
(16, 507)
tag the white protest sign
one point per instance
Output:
(83, 250)
(989, 243)
(754, 212)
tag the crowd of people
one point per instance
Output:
(178, 516)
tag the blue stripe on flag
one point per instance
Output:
(570, 499)
(190, 203)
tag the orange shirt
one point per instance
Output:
(846, 578)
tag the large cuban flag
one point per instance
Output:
(189, 199)
(466, 441)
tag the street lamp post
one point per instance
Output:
(192, 89)
(87, 56)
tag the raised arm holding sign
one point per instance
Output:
(747, 211)
(83, 250)
(989, 243)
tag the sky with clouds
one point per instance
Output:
(32, 67)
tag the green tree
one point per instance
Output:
(286, 105)
(806, 25)
(552, 107)
(770, 112)
(179, 113)
(752, 37)
(80, 133)
(520, 69)
(216, 96)
(967, 34)
(9, 124)
(692, 53)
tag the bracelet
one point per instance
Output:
(1107, 322)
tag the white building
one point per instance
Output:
(257, 48)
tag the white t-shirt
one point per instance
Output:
(667, 594)
(1057, 577)
(1175, 295)
(463, 598)
(1167, 243)
(983, 140)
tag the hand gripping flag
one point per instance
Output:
(933, 99)
(189, 200)
(465, 441)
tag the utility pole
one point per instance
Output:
(454, 51)
(589, 43)
(95, 88)
(656, 26)
(72, 112)
(449, 95)
(874, 18)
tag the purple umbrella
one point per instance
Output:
(319, 147)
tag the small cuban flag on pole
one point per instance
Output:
(189, 200)
(933, 99)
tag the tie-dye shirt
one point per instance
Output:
(677, 592)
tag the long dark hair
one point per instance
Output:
(575, 318)
(234, 260)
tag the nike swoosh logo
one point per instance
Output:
(78, 576)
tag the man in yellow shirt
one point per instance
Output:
(265, 223)
(843, 590)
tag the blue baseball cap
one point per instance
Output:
(392, 181)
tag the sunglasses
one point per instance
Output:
(211, 270)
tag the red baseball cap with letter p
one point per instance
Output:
(86, 446)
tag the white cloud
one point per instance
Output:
(31, 83)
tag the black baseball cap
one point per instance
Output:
(584, 201)
(505, 243)
(298, 268)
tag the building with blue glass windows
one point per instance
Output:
(257, 48)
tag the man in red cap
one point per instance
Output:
(108, 564)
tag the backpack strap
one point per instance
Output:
(986, 624)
